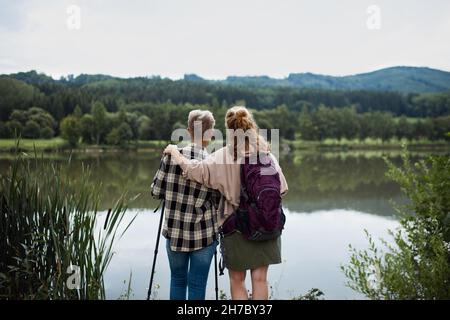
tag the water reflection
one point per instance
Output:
(316, 181)
(319, 182)
(332, 199)
(313, 248)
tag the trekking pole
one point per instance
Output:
(215, 272)
(156, 250)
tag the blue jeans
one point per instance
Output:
(195, 278)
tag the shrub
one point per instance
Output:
(417, 266)
(47, 133)
(119, 136)
(71, 129)
(31, 130)
(4, 130)
(15, 128)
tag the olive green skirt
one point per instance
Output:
(241, 254)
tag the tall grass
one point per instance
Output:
(50, 244)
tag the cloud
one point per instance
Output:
(220, 38)
(11, 14)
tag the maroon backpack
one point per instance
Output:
(260, 215)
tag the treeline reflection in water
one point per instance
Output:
(317, 181)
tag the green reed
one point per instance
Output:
(49, 229)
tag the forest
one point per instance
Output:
(99, 109)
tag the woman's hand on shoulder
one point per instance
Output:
(171, 149)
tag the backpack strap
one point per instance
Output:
(244, 194)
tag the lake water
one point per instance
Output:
(332, 198)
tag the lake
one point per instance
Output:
(332, 198)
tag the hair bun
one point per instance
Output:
(242, 113)
(242, 119)
(239, 117)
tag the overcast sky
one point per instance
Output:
(217, 38)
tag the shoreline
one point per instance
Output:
(338, 146)
(60, 145)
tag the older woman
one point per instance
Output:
(221, 170)
(190, 218)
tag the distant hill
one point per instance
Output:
(401, 79)
(395, 79)
(32, 77)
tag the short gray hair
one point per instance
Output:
(204, 116)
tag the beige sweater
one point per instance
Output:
(219, 171)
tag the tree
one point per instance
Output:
(71, 130)
(125, 134)
(120, 136)
(386, 126)
(99, 116)
(37, 116)
(133, 121)
(326, 123)
(348, 123)
(279, 118)
(31, 130)
(366, 126)
(77, 112)
(113, 137)
(145, 128)
(15, 94)
(60, 97)
(87, 128)
(418, 265)
(383, 125)
(34, 96)
(122, 115)
(306, 126)
(424, 129)
(43, 118)
(285, 121)
(15, 128)
(404, 129)
(47, 133)
(441, 127)
(19, 116)
(4, 130)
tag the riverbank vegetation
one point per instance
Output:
(417, 264)
(51, 246)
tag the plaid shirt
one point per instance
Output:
(190, 211)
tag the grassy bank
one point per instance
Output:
(59, 144)
(30, 144)
(367, 144)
